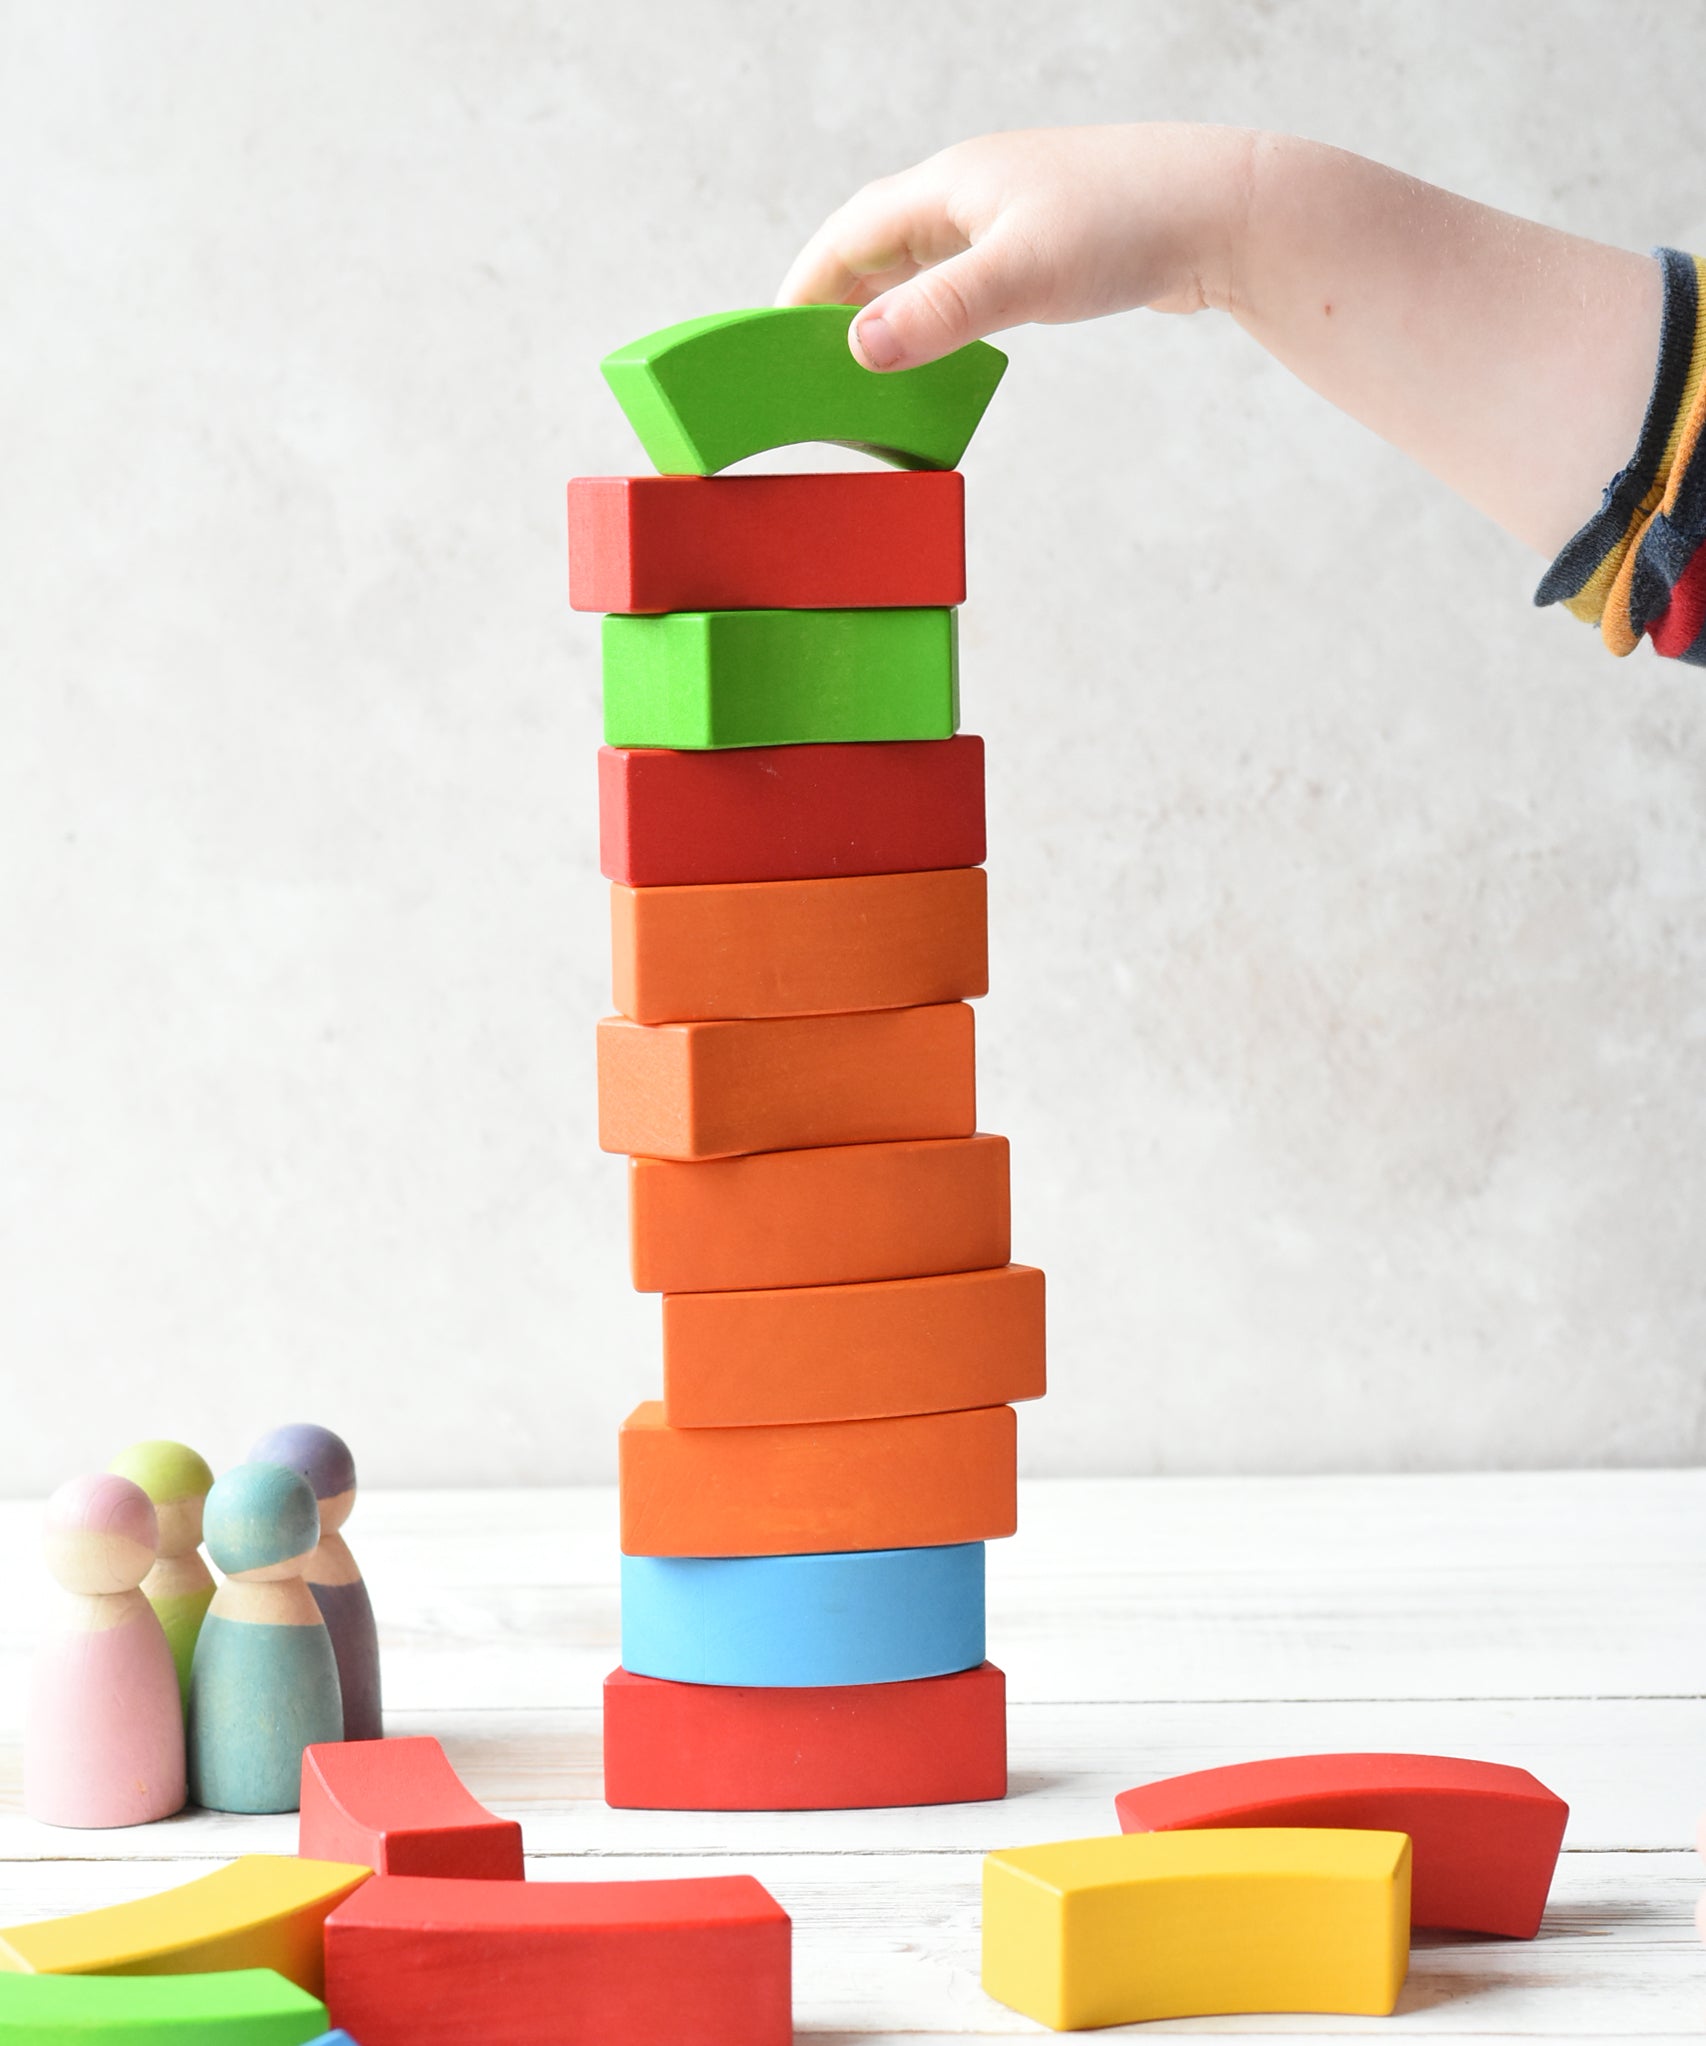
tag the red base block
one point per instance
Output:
(1485, 1837)
(737, 543)
(420, 1961)
(789, 813)
(701, 1748)
(399, 1808)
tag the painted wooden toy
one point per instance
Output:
(399, 1806)
(180, 1585)
(260, 1911)
(264, 1684)
(1485, 1836)
(1137, 1926)
(105, 1742)
(230, 2007)
(333, 1576)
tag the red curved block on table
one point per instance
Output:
(789, 813)
(695, 1961)
(867, 538)
(399, 1807)
(1485, 1836)
(838, 1747)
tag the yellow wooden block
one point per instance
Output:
(1198, 1924)
(262, 1911)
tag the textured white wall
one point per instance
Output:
(1350, 1001)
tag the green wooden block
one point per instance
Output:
(237, 2007)
(715, 390)
(694, 679)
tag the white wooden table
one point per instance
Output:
(1552, 1620)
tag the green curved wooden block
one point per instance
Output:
(694, 679)
(714, 390)
(237, 2007)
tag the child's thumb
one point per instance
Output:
(939, 310)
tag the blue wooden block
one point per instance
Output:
(876, 1616)
(334, 2039)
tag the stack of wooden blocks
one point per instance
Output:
(794, 836)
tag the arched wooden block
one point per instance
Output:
(1137, 1926)
(696, 1961)
(912, 1482)
(260, 1911)
(786, 1083)
(872, 1616)
(1486, 1836)
(869, 539)
(398, 1806)
(707, 679)
(234, 2007)
(837, 1747)
(714, 390)
(789, 813)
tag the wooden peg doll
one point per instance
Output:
(180, 1586)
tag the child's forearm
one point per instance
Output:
(1510, 359)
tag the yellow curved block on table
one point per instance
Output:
(261, 1911)
(1198, 1924)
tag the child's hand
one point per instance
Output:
(1050, 225)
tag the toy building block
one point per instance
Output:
(1485, 1836)
(876, 1616)
(714, 390)
(785, 1083)
(789, 813)
(260, 1911)
(233, 2007)
(428, 1961)
(1121, 1930)
(799, 948)
(338, 2038)
(398, 1806)
(698, 679)
(180, 1585)
(853, 1353)
(813, 543)
(701, 1747)
(899, 1484)
(819, 1218)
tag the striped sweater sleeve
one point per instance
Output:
(1638, 567)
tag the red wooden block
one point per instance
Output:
(1485, 1836)
(399, 1807)
(425, 1961)
(737, 543)
(700, 1747)
(789, 813)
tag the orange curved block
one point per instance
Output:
(853, 1353)
(398, 1806)
(260, 1911)
(799, 948)
(719, 1090)
(819, 1218)
(915, 1482)
(1486, 1836)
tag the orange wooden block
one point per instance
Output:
(819, 1218)
(717, 1090)
(799, 948)
(852, 1353)
(910, 1483)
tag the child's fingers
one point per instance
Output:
(890, 229)
(977, 292)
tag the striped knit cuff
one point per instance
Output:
(1625, 569)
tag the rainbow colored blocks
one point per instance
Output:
(794, 834)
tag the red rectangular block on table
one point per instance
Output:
(789, 813)
(839, 1747)
(738, 543)
(398, 1807)
(1485, 1837)
(698, 1961)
